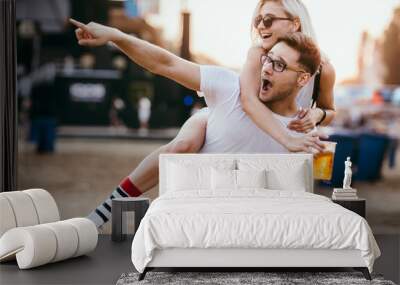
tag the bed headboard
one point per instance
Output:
(277, 161)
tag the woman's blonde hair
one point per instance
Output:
(294, 9)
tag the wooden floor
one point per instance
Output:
(106, 264)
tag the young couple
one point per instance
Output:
(267, 108)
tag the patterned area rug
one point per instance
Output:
(242, 278)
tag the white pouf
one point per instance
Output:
(37, 245)
(30, 230)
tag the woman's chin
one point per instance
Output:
(267, 44)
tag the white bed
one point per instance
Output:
(227, 217)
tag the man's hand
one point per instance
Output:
(306, 120)
(94, 34)
(309, 143)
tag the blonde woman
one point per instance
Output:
(275, 20)
(272, 19)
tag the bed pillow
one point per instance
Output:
(226, 179)
(188, 175)
(295, 181)
(284, 174)
(223, 179)
(251, 178)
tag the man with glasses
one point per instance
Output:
(285, 70)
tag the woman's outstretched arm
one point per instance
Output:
(261, 115)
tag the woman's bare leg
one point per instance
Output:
(190, 139)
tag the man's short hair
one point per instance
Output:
(310, 56)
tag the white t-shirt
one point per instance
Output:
(229, 129)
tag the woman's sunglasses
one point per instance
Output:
(268, 20)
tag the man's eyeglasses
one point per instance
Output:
(278, 65)
(268, 20)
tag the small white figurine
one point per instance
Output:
(347, 174)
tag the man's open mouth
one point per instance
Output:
(266, 84)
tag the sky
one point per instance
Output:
(221, 28)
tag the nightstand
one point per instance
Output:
(123, 223)
(357, 205)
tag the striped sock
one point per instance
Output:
(102, 213)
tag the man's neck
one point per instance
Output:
(286, 107)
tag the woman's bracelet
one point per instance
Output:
(323, 117)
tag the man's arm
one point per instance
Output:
(149, 56)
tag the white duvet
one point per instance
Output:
(253, 218)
